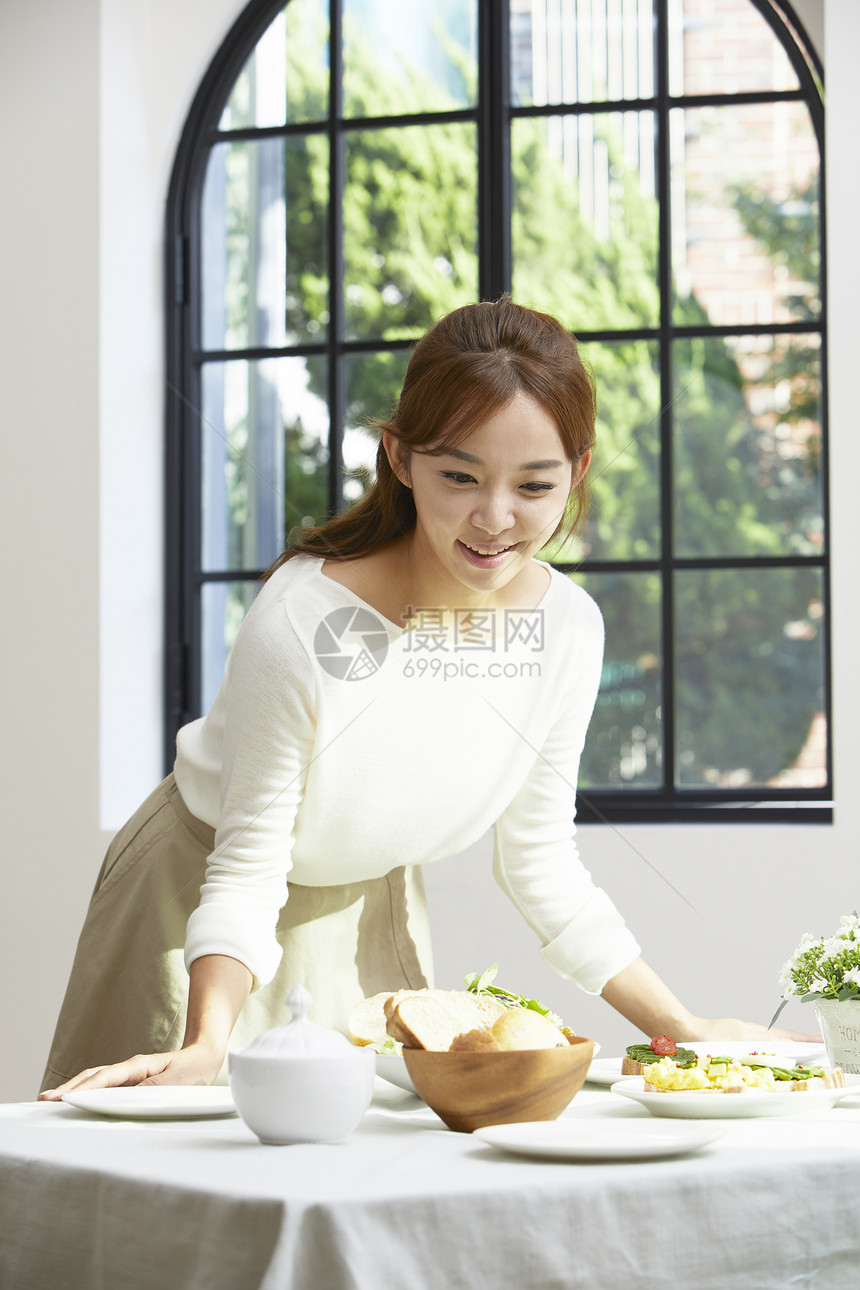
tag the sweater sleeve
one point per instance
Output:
(268, 741)
(536, 859)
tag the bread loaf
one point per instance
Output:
(516, 1029)
(462, 1020)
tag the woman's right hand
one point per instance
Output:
(195, 1064)
(218, 987)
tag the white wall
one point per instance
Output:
(93, 96)
(49, 335)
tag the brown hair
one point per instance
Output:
(467, 367)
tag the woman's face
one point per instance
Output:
(487, 506)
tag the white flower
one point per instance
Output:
(821, 964)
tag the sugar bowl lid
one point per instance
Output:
(300, 1037)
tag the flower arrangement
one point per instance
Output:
(824, 968)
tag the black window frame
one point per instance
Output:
(184, 575)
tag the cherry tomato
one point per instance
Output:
(664, 1045)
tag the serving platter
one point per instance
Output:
(155, 1102)
(732, 1106)
(582, 1139)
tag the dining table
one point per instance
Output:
(96, 1202)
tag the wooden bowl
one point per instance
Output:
(470, 1090)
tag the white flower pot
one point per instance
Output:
(840, 1028)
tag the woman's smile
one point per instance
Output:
(486, 557)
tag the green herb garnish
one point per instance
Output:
(645, 1055)
(482, 983)
(793, 1072)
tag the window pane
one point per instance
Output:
(373, 383)
(285, 81)
(410, 228)
(625, 739)
(624, 516)
(419, 56)
(750, 666)
(265, 277)
(265, 457)
(745, 214)
(584, 227)
(580, 54)
(747, 477)
(223, 605)
(724, 47)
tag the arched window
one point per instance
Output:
(647, 170)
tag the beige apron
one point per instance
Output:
(128, 989)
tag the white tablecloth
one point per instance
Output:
(96, 1204)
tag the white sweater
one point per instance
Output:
(433, 741)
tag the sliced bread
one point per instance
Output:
(434, 1018)
(367, 1021)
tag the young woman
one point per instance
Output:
(408, 676)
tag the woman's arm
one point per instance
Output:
(218, 988)
(268, 711)
(639, 995)
(262, 734)
(536, 859)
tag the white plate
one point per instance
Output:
(788, 1049)
(393, 1068)
(155, 1101)
(731, 1106)
(606, 1070)
(581, 1139)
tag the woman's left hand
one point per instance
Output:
(730, 1029)
(640, 996)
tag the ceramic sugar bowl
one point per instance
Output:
(301, 1082)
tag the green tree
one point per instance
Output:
(787, 230)
(748, 648)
